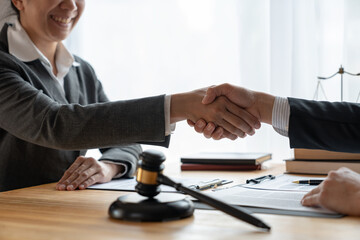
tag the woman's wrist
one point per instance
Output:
(179, 107)
(114, 169)
(175, 108)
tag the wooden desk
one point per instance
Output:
(41, 212)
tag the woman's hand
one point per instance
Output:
(209, 130)
(339, 192)
(86, 171)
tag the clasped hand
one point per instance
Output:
(239, 113)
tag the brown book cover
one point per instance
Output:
(315, 154)
(319, 166)
(218, 167)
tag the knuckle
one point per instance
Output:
(223, 100)
(92, 160)
(84, 175)
(98, 167)
(102, 174)
(326, 184)
(91, 179)
(332, 174)
(76, 173)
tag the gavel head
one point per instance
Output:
(149, 168)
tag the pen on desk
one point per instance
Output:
(209, 184)
(309, 181)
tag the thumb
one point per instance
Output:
(216, 91)
(211, 94)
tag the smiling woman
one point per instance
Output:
(49, 22)
(53, 107)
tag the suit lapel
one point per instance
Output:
(71, 86)
(50, 87)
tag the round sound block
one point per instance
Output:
(164, 207)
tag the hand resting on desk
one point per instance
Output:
(86, 171)
(339, 192)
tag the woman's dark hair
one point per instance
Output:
(13, 6)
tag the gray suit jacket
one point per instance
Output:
(43, 130)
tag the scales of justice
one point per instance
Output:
(341, 71)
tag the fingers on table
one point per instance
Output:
(312, 197)
(82, 172)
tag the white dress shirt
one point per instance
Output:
(21, 46)
(281, 115)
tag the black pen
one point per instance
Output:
(310, 181)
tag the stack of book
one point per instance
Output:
(233, 161)
(311, 161)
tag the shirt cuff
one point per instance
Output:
(120, 174)
(281, 115)
(169, 128)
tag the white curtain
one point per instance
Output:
(141, 48)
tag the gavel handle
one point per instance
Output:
(235, 212)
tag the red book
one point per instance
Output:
(218, 167)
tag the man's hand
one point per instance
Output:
(259, 105)
(86, 171)
(339, 192)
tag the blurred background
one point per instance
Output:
(141, 48)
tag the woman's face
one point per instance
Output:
(48, 21)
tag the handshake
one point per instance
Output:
(223, 111)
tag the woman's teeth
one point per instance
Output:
(61, 20)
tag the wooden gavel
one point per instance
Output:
(150, 175)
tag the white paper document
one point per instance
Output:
(284, 200)
(279, 193)
(283, 182)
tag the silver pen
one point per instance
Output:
(210, 184)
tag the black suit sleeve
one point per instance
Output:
(331, 126)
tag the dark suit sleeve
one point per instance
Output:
(29, 114)
(331, 126)
(125, 154)
(103, 98)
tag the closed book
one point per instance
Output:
(319, 167)
(218, 167)
(226, 158)
(316, 154)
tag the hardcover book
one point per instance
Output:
(316, 154)
(218, 167)
(319, 167)
(226, 158)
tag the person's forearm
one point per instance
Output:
(264, 105)
(177, 108)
